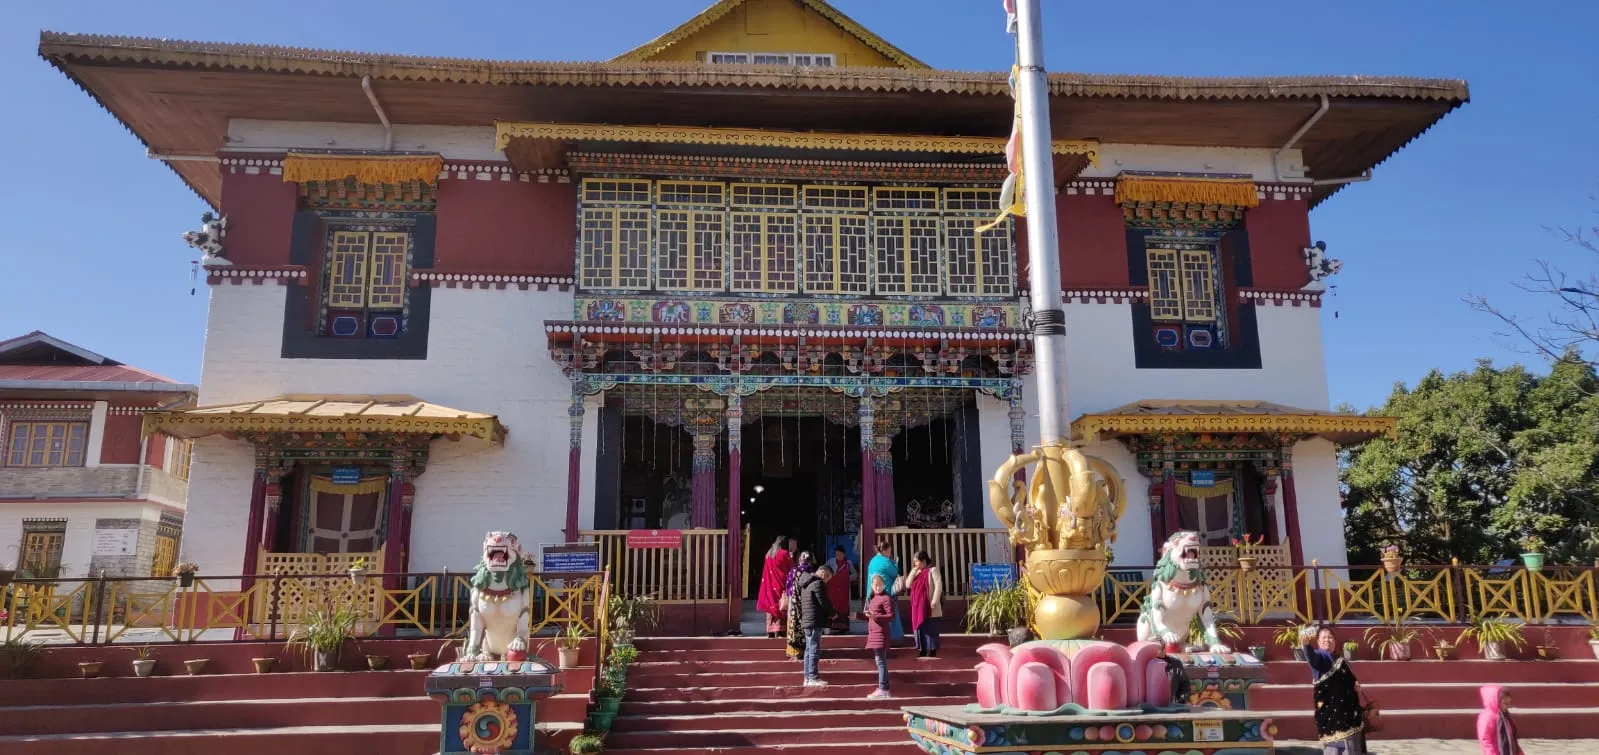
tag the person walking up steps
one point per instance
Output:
(879, 612)
(927, 604)
(816, 611)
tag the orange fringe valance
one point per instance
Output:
(1221, 488)
(1231, 193)
(365, 169)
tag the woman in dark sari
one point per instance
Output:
(795, 634)
(1340, 721)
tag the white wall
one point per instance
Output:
(1258, 163)
(77, 546)
(1321, 521)
(1102, 375)
(486, 353)
(452, 142)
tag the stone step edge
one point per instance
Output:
(235, 701)
(354, 729)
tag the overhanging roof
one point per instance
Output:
(178, 97)
(1165, 417)
(327, 413)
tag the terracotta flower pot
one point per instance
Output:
(377, 662)
(1391, 564)
(144, 667)
(419, 661)
(1398, 652)
(263, 665)
(196, 666)
(90, 669)
(1444, 652)
(1246, 563)
(568, 657)
(1548, 653)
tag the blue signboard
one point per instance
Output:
(346, 475)
(987, 577)
(1202, 478)
(571, 560)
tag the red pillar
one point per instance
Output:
(1296, 549)
(1168, 503)
(868, 480)
(257, 520)
(1157, 516)
(574, 464)
(883, 477)
(735, 521)
(702, 509)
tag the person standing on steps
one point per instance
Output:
(816, 612)
(927, 604)
(883, 565)
(1496, 732)
(838, 591)
(769, 596)
(1340, 720)
(795, 634)
(879, 612)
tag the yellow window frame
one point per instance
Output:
(25, 435)
(903, 247)
(832, 226)
(763, 250)
(1182, 285)
(166, 556)
(694, 248)
(42, 550)
(611, 248)
(368, 269)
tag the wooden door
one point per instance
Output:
(344, 522)
(1211, 516)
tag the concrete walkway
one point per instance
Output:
(1450, 747)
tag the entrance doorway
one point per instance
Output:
(345, 518)
(801, 479)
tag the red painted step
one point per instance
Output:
(854, 698)
(232, 714)
(828, 728)
(389, 739)
(1442, 695)
(160, 689)
(1421, 672)
(902, 687)
(1531, 723)
(881, 748)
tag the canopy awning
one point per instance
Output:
(327, 414)
(1167, 417)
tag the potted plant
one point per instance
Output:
(570, 645)
(624, 657)
(586, 744)
(322, 634)
(1445, 650)
(1492, 635)
(90, 669)
(357, 570)
(196, 666)
(419, 661)
(1350, 649)
(1391, 560)
(607, 701)
(1226, 632)
(1532, 552)
(18, 656)
(263, 665)
(185, 573)
(1003, 609)
(1548, 650)
(1288, 636)
(1593, 640)
(1392, 639)
(1246, 556)
(628, 615)
(143, 664)
(377, 662)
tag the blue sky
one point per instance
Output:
(90, 248)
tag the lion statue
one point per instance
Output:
(1177, 596)
(500, 600)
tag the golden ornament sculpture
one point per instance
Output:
(1065, 520)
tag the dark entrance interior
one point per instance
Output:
(801, 479)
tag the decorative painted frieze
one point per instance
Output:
(490, 280)
(800, 312)
(1262, 297)
(502, 172)
(238, 276)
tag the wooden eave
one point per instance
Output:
(319, 413)
(1167, 417)
(178, 97)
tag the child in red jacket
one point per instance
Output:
(879, 615)
(1495, 731)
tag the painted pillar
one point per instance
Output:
(1296, 548)
(868, 478)
(1157, 508)
(1271, 513)
(395, 548)
(1168, 497)
(883, 475)
(702, 512)
(735, 523)
(574, 463)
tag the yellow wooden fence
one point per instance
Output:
(695, 572)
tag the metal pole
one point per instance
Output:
(1043, 245)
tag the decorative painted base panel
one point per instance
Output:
(952, 730)
(489, 708)
(695, 309)
(1221, 680)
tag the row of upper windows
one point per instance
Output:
(803, 59)
(64, 444)
(787, 238)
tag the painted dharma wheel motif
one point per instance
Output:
(488, 727)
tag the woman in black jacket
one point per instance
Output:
(816, 612)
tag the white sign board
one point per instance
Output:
(116, 542)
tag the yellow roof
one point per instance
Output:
(317, 413)
(1164, 416)
(723, 7)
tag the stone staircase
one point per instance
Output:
(303, 713)
(738, 696)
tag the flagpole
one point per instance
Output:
(1043, 243)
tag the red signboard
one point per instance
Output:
(655, 538)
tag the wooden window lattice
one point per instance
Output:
(1182, 285)
(47, 444)
(763, 251)
(616, 248)
(836, 253)
(41, 552)
(1198, 285)
(166, 556)
(690, 246)
(907, 255)
(182, 456)
(367, 269)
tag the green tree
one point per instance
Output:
(1483, 459)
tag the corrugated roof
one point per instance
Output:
(113, 373)
(327, 413)
(1166, 416)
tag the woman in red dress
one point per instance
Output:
(769, 598)
(838, 591)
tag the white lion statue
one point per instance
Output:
(1177, 596)
(500, 600)
(209, 239)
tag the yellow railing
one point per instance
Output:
(695, 572)
(953, 550)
